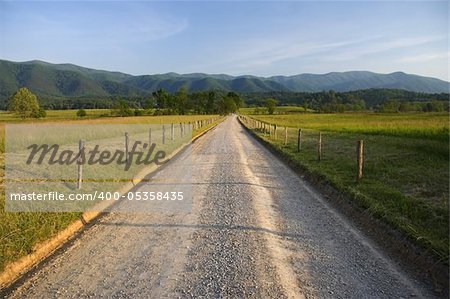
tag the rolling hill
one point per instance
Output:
(67, 80)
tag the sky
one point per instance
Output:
(262, 38)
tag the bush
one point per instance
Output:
(41, 113)
(81, 113)
(121, 108)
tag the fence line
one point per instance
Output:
(195, 125)
(271, 129)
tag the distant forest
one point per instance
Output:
(383, 100)
(218, 101)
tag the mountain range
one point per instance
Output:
(68, 80)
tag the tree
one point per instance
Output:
(25, 104)
(121, 108)
(437, 106)
(227, 105)
(162, 98)
(403, 107)
(149, 104)
(271, 104)
(236, 98)
(180, 100)
(81, 113)
(210, 102)
(390, 106)
(198, 101)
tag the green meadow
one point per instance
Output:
(406, 166)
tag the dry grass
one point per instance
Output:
(20, 231)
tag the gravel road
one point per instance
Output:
(255, 230)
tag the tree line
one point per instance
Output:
(383, 100)
(25, 104)
(161, 102)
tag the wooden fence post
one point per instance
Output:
(126, 146)
(299, 140)
(149, 136)
(285, 136)
(360, 159)
(319, 147)
(171, 131)
(163, 134)
(275, 132)
(80, 166)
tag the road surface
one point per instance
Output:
(256, 230)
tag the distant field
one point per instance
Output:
(99, 115)
(406, 170)
(278, 110)
(54, 115)
(414, 125)
(20, 232)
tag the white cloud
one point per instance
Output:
(252, 54)
(424, 57)
(380, 45)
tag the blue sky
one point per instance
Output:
(256, 37)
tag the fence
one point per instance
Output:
(183, 128)
(304, 141)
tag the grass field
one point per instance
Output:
(406, 169)
(20, 232)
(414, 125)
(52, 115)
(278, 110)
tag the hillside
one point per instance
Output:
(356, 80)
(51, 81)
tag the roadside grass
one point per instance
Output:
(406, 176)
(20, 232)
